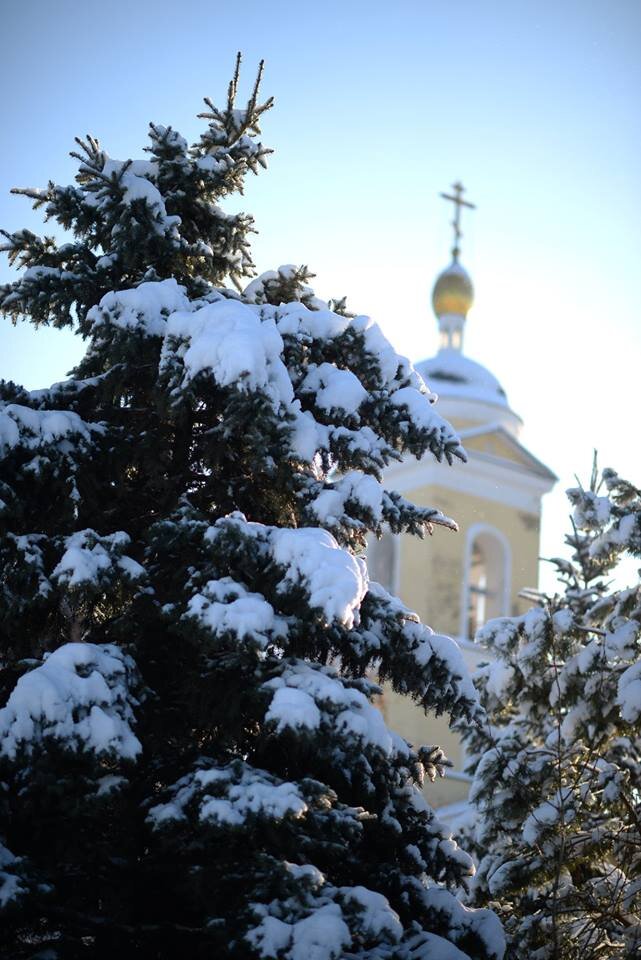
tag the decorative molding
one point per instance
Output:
(373, 543)
(478, 411)
(483, 476)
(452, 774)
(396, 564)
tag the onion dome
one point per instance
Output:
(452, 297)
(453, 293)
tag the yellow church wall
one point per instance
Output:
(431, 572)
(417, 727)
(414, 724)
(430, 582)
(405, 717)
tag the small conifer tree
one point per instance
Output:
(190, 757)
(556, 797)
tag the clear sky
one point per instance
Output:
(533, 104)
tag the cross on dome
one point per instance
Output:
(458, 202)
(453, 293)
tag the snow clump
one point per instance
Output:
(79, 696)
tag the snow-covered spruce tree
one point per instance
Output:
(556, 813)
(191, 762)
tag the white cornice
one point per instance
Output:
(483, 476)
(481, 411)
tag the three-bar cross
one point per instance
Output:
(458, 202)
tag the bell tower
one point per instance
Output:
(457, 581)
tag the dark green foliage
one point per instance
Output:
(190, 757)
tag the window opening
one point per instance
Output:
(486, 586)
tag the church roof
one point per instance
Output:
(519, 457)
(451, 374)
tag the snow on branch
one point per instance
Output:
(90, 560)
(80, 696)
(315, 699)
(143, 309)
(21, 426)
(12, 888)
(227, 609)
(324, 921)
(228, 796)
(333, 581)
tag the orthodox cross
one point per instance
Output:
(458, 202)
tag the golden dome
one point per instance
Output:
(453, 292)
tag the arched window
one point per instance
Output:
(382, 561)
(487, 576)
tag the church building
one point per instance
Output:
(457, 581)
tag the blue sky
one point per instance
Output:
(534, 105)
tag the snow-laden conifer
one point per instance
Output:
(556, 797)
(191, 759)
